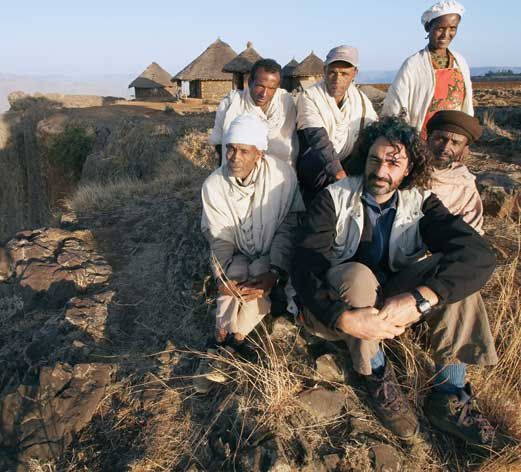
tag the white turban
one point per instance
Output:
(442, 8)
(248, 129)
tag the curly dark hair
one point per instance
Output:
(397, 131)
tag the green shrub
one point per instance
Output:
(70, 149)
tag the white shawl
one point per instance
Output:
(413, 88)
(272, 194)
(317, 109)
(456, 187)
(281, 117)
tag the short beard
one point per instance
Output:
(442, 164)
(373, 190)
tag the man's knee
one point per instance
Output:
(354, 283)
(238, 268)
(311, 172)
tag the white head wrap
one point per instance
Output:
(248, 129)
(442, 8)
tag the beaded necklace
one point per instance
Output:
(441, 61)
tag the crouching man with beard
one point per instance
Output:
(377, 253)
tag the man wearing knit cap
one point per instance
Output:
(330, 116)
(450, 133)
(250, 207)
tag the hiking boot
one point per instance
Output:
(390, 405)
(457, 414)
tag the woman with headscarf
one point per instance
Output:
(434, 78)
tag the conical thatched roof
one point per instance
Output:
(153, 76)
(209, 65)
(311, 65)
(244, 61)
(288, 69)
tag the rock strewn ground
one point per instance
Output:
(53, 316)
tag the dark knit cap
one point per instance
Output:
(456, 122)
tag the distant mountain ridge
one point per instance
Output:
(387, 76)
(106, 85)
(117, 84)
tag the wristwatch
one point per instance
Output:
(422, 304)
(278, 272)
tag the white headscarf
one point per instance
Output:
(442, 8)
(248, 129)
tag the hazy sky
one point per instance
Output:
(113, 36)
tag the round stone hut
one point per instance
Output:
(154, 83)
(240, 66)
(205, 73)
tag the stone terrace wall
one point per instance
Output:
(215, 89)
(156, 93)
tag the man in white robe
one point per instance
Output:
(330, 116)
(264, 98)
(250, 207)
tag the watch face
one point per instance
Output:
(424, 306)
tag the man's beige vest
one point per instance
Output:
(405, 244)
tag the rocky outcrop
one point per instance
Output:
(38, 420)
(54, 309)
(21, 100)
(501, 194)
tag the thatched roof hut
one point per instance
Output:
(205, 73)
(287, 78)
(240, 66)
(154, 83)
(309, 71)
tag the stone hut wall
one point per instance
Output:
(240, 80)
(308, 81)
(160, 93)
(210, 89)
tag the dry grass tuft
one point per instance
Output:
(500, 386)
(173, 430)
(184, 167)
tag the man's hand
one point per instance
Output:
(341, 174)
(366, 323)
(400, 310)
(260, 285)
(230, 287)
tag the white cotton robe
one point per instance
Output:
(249, 216)
(280, 116)
(456, 187)
(317, 109)
(413, 88)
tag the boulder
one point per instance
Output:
(385, 458)
(282, 329)
(501, 194)
(38, 420)
(53, 314)
(52, 265)
(322, 403)
(328, 369)
(89, 314)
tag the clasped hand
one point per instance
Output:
(251, 289)
(390, 321)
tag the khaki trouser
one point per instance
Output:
(457, 332)
(234, 315)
